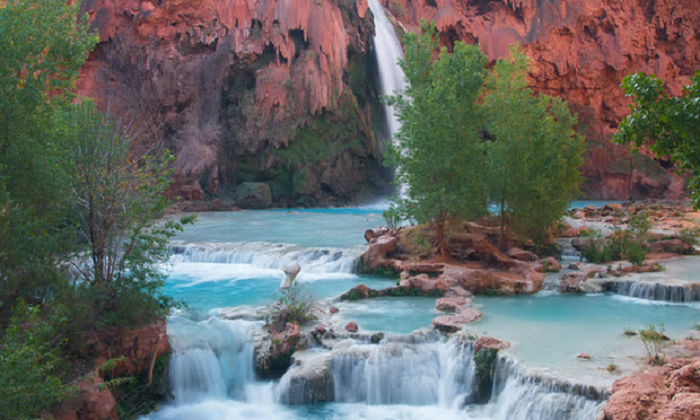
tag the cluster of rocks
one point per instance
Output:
(463, 314)
(482, 268)
(668, 392)
(621, 214)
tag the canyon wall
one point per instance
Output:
(581, 50)
(286, 91)
(274, 91)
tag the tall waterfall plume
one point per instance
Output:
(389, 52)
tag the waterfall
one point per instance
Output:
(269, 256)
(677, 293)
(517, 396)
(212, 376)
(213, 359)
(439, 373)
(389, 52)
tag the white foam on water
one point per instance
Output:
(437, 373)
(270, 256)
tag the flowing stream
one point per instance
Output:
(234, 260)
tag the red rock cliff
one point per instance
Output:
(581, 50)
(245, 90)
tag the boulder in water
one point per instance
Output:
(253, 195)
(451, 303)
(376, 338)
(486, 342)
(522, 255)
(291, 272)
(447, 323)
(467, 315)
(351, 326)
(309, 381)
(548, 265)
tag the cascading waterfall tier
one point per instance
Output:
(389, 52)
(437, 373)
(678, 292)
(213, 359)
(518, 396)
(269, 256)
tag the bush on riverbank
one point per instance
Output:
(620, 245)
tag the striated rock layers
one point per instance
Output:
(274, 91)
(581, 50)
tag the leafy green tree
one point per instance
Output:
(438, 153)
(535, 154)
(41, 51)
(30, 362)
(669, 126)
(117, 196)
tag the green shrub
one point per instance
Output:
(30, 363)
(484, 361)
(636, 253)
(655, 342)
(392, 218)
(294, 305)
(136, 396)
(690, 236)
(640, 225)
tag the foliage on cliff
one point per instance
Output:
(669, 126)
(30, 362)
(41, 51)
(79, 248)
(471, 139)
(116, 196)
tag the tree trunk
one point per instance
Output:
(505, 231)
(443, 247)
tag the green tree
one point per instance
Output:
(41, 51)
(117, 196)
(30, 362)
(535, 154)
(669, 126)
(438, 153)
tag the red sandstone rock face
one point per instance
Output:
(668, 392)
(227, 83)
(91, 403)
(137, 345)
(581, 50)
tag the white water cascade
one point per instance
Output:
(269, 256)
(677, 293)
(516, 396)
(389, 52)
(412, 377)
(214, 359)
(438, 373)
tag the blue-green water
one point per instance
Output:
(236, 259)
(222, 287)
(549, 330)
